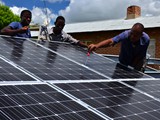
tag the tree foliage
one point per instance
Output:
(7, 16)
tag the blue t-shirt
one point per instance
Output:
(17, 25)
(128, 51)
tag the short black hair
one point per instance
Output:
(60, 18)
(140, 25)
(23, 11)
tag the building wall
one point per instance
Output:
(95, 37)
(154, 33)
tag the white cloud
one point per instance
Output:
(87, 10)
(90, 10)
(152, 8)
(39, 15)
(17, 10)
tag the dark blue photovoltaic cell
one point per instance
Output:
(115, 100)
(41, 102)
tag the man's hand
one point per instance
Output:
(82, 44)
(23, 29)
(104, 43)
(92, 47)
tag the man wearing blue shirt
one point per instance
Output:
(19, 29)
(134, 44)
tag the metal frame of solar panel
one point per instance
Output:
(60, 82)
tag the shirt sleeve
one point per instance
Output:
(70, 39)
(146, 39)
(14, 25)
(50, 31)
(120, 37)
(145, 42)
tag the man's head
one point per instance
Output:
(136, 32)
(59, 24)
(26, 17)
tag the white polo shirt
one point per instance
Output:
(63, 37)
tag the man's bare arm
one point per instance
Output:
(105, 43)
(9, 31)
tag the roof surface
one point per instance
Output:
(107, 25)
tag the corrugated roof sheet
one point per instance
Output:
(107, 25)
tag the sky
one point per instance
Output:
(81, 10)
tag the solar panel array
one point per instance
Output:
(57, 81)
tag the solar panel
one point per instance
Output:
(44, 63)
(101, 64)
(39, 101)
(60, 82)
(115, 99)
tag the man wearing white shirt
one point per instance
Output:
(57, 33)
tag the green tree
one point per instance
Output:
(7, 16)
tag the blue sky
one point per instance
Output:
(54, 6)
(82, 10)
